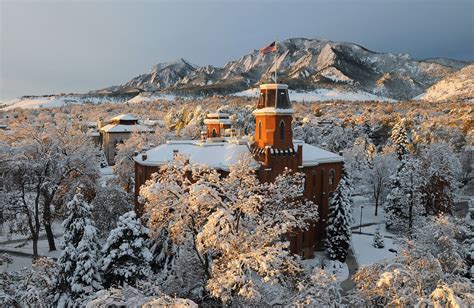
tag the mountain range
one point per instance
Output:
(315, 70)
(304, 64)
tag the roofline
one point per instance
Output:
(273, 86)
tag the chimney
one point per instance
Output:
(175, 152)
(300, 155)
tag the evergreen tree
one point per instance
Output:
(403, 200)
(78, 272)
(378, 239)
(400, 138)
(125, 255)
(340, 218)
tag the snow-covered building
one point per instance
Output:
(117, 130)
(272, 149)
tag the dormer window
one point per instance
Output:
(282, 130)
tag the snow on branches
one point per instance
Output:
(125, 254)
(78, 264)
(340, 218)
(235, 225)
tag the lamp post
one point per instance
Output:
(360, 223)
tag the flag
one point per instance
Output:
(270, 48)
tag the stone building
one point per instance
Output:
(117, 130)
(272, 148)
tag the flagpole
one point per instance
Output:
(276, 52)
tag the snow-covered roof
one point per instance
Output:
(125, 116)
(217, 121)
(219, 155)
(272, 110)
(313, 155)
(121, 128)
(217, 115)
(273, 86)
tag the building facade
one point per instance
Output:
(273, 148)
(117, 130)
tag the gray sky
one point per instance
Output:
(76, 46)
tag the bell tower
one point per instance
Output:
(273, 139)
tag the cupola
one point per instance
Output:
(217, 123)
(273, 118)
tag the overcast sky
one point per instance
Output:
(75, 46)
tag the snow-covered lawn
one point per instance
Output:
(331, 267)
(17, 264)
(106, 174)
(43, 248)
(366, 253)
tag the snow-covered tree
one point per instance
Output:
(378, 239)
(42, 164)
(403, 203)
(377, 177)
(319, 290)
(441, 170)
(108, 205)
(125, 255)
(400, 138)
(78, 263)
(428, 269)
(340, 219)
(235, 225)
(124, 167)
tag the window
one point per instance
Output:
(271, 97)
(331, 177)
(259, 130)
(214, 133)
(283, 101)
(282, 130)
(261, 100)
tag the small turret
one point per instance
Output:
(217, 123)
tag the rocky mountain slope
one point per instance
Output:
(305, 64)
(456, 86)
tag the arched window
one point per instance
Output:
(332, 173)
(214, 133)
(260, 130)
(282, 130)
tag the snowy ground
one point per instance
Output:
(331, 267)
(322, 95)
(364, 251)
(106, 174)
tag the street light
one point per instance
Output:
(360, 223)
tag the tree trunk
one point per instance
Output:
(376, 205)
(50, 236)
(34, 237)
(47, 225)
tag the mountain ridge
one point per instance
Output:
(304, 64)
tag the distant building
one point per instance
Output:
(117, 131)
(273, 149)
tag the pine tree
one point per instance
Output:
(340, 218)
(125, 255)
(403, 200)
(400, 138)
(78, 272)
(378, 239)
(401, 203)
